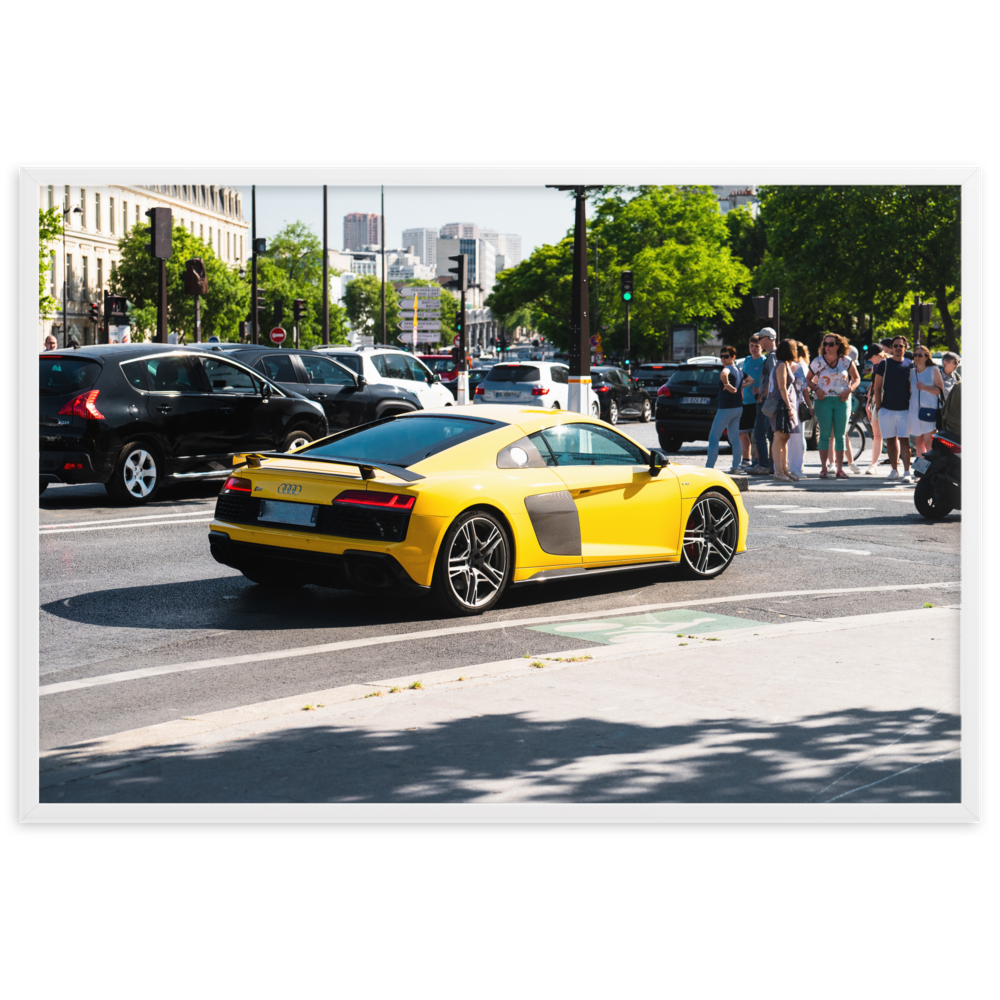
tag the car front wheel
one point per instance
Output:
(612, 412)
(710, 536)
(297, 439)
(647, 411)
(474, 564)
(137, 475)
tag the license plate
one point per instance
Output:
(506, 395)
(921, 465)
(288, 513)
(698, 399)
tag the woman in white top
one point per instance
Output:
(833, 376)
(926, 395)
(797, 440)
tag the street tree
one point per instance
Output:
(363, 301)
(50, 228)
(136, 276)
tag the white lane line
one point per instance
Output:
(433, 633)
(112, 527)
(853, 552)
(117, 520)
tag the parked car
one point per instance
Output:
(686, 405)
(138, 415)
(533, 383)
(347, 398)
(389, 366)
(654, 374)
(619, 395)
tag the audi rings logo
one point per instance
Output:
(289, 489)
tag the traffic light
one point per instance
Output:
(93, 312)
(260, 245)
(260, 300)
(115, 305)
(279, 312)
(461, 272)
(456, 353)
(160, 232)
(298, 308)
(626, 286)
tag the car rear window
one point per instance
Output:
(402, 440)
(59, 375)
(649, 371)
(702, 375)
(351, 361)
(439, 365)
(514, 373)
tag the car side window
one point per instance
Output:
(225, 377)
(585, 444)
(277, 367)
(135, 374)
(322, 371)
(395, 366)
(379, 362)
(172, 374)
(351, 361)
(560, 375)
(417, 371)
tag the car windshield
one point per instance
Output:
(514, 373)
(59, 374)
(401, 440)
(701, 375)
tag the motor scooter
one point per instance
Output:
(939, 477)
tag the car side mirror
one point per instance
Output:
(360, 381)
(432, 379)
(265, 390)
(657, 461)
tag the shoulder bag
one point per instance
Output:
(929, 414)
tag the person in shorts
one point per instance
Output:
(892, 403)
(753, 363)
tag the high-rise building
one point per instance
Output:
(424, 243)
(506, 245)
(362, 229)
(460, 231)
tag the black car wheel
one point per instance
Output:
(671, 442)
(612, 412)
(137, 475)
(647, 411)
(474, 564)
(710, 536)
(928, 504)
(296, 440)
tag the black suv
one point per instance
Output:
(686, 405)
(619, 395)
(654, 374)
(133, 416)
(346, 397)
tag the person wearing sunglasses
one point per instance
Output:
(926, 396)
(730, 410)
(833, 377)
(892, 403)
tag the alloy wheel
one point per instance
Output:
(477, 562)
(139, 473)
(710, 536)
(613, 412)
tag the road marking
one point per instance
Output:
(853, 552)
(117, 520)
(790, 509)
(611, 631)
(433, 633)
(111, 527)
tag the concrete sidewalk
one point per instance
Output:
(857, 710)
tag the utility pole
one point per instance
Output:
(385, 334)
(579, 324)
(253, 264)
(326, 282)
(161, 248)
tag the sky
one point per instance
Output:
(537, 215)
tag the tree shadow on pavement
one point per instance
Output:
(853, 756)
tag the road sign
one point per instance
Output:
(422, 338)
(428, 325)
(421, 291)
(277, 335)
(424, 312)
(366, 342)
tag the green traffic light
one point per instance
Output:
(627, 296)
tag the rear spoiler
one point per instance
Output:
(367, 469)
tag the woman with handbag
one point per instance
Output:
(782, 407)
(833, 376)
(926, 393)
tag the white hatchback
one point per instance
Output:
(392, 367)
(531, 383)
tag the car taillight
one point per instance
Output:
(663, 391)
(602, 388)
(83, 406)
(387, 501)
(72, 465)
(539, 391)
(236, 484)
(480, 391)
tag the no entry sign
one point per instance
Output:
(278, 335)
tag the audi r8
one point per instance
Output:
(463, 505)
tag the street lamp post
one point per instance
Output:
(66, 214)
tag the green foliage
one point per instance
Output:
(363, 301)
(50, 227)
(933, 334)
(675, 242)
(136, 276)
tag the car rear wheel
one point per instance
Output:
(671, 442)
(710, 536)
(474, 564)
(296, 440)
(137, 475)
(612, 412)
(647, 411)
(595, 410)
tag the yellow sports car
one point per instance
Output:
(466, 504)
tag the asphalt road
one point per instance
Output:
(125, 589)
